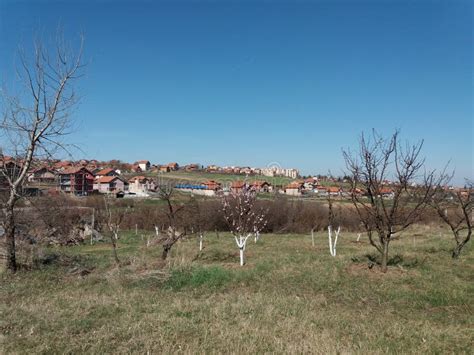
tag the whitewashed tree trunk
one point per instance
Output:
(358, 236)
(330, 238)
(157, 231)
(312, 236)
(335, 240)
(332, 245)
(241, 242)
(257, 236)
(200, 242)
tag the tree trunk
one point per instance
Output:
(10, 249)
(114, 249)
(166, 250)
(242, 256)
(385, 255)
(460, 245)
(457, 249)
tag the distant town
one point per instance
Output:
(142, 179)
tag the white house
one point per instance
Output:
(144, 165)
(141, 185)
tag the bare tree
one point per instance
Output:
(388, 173)
(455, 208)
(243, 216)
(172, 211)
(112, 217)
(34, 121)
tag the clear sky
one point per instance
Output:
(256, 82)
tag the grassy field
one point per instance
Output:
(289, 297)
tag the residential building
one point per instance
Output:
(192, 167)
(61, 165)
(237, 186)
(77, 181)
(144, 165)
(278, 171)
(294, 189)
(107, 172)
(387, 192)
(42, 175)
(173, 166)
(110, 184)
(261, 186)
(212, 185)
(141, 185)
(199, 189)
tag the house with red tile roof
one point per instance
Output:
(110, 184)
(192, 167)
(212, 185)
(42, 175)
(237, 186)
(173, 166)
(107, 172)
(261, 186)
(61, 165)
(334, 190)
(294, 188)
(386, 192)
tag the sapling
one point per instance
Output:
(113, 218)
(200, 241)
(332, 244)
(174, 232)
(257, 236)
(332, 221)
(243, 217)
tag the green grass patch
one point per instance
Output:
(214, 278)
(289, 297)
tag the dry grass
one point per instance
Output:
(290, 297)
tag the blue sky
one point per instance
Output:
(256, 82)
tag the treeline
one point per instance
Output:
(284, 215)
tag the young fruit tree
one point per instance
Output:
(243, 216)
(111, 217)
(332, 222)
(396, 191)
(455, 208)
(172, 211)
(34, 123)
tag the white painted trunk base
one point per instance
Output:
(332, 244)
(241, 242)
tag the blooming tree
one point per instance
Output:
(243, 216)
